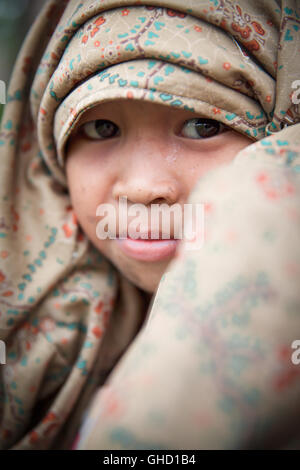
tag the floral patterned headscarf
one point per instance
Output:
(67, 315)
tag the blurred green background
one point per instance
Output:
(16, 17)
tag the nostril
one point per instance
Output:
(159, 200)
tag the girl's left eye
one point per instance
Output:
(99, 129)
(202, 128)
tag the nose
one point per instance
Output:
(145, 190)
(144, 176)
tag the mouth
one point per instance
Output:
(150, 250)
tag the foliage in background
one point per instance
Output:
(16, 17)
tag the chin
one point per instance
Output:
(143, 275)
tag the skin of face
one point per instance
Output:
(150, 158)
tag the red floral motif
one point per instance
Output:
(99, 307)
(97, 331)
(258, 28)
(227, 66)
(244, 33)
(50, 416)
(243, 25)
(174, 13)
(27, 62)
(252, 45)
(223, 24)
(198, 29)
(98, 22)
(289, 373)
(33, 437)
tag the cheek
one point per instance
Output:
(233, 144)
(197, 163)
(87, 187)
(239, 142)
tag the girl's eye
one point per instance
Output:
(99, 129)
(202, 128)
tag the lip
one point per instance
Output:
(148, 250)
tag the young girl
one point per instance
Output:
(155, 345)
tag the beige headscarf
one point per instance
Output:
(67, 315)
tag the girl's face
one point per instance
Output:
(150, 153)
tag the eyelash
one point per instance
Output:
(189, 122)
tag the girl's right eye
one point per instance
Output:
(99, 129)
